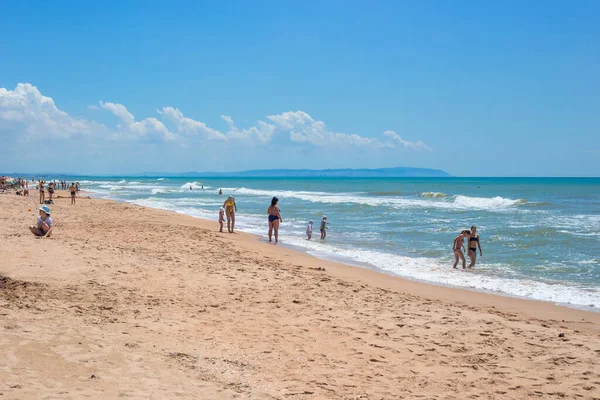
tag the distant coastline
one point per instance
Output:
(398, 172)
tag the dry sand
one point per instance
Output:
(125, 301)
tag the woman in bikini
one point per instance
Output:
(474, 241)
(42, 195)
(230, 210)
(457, 248)
(51, 189)
(274, 219)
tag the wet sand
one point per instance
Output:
(125, 301)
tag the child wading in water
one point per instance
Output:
(309, 230)
(457, 248)
(43, 226)
(221, 218)
(324, 227)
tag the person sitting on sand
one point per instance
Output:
(474, 240)
(221, 218)
(457, 248)
(309, 230)
(274, 219)
(42, 195)
(230, 210)
(73, 191)
(324, 227)
(43, 226)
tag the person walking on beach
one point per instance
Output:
(230, 210)
(309, 229)
(42, 195)
(274, 219)
(474, 241)
(73, 191)
(457, 248)
(324, 227)
(43, 225)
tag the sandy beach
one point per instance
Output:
(130, 302)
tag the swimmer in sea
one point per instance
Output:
(457, 248)
(474, 241)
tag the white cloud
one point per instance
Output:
(147, 128)
(396, 140)
(227, 119)
(119, 111)
(188, 125)
(25, 112)
(262, 133)
(303, 128)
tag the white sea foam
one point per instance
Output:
(458, 202)
(486, 202)
(434, 271)
(438, 195)
(193, 185)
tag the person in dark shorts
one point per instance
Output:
(73, 190)
(324, 227)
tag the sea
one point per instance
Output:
(540, 236)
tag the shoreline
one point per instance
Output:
(413, 286)
(365, 266)
(129, 301)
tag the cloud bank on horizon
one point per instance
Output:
(27, 115)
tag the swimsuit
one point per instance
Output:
(273, 218)
(473, 239)
(229, 207)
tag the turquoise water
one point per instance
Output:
(540, 236)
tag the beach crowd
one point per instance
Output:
(43, 227)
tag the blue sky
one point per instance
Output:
(476, 88)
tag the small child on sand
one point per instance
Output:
(221, 218)
(43, 226)
(309, 230)
(324, 227)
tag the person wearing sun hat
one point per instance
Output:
(43, 226)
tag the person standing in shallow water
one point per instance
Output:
(274, 219)
(230, 210)
(457, 248)
(474, 241)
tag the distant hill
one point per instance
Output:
(398, 172)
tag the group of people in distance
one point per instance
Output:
(73, 189)
(274, 217)
(473, 242)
